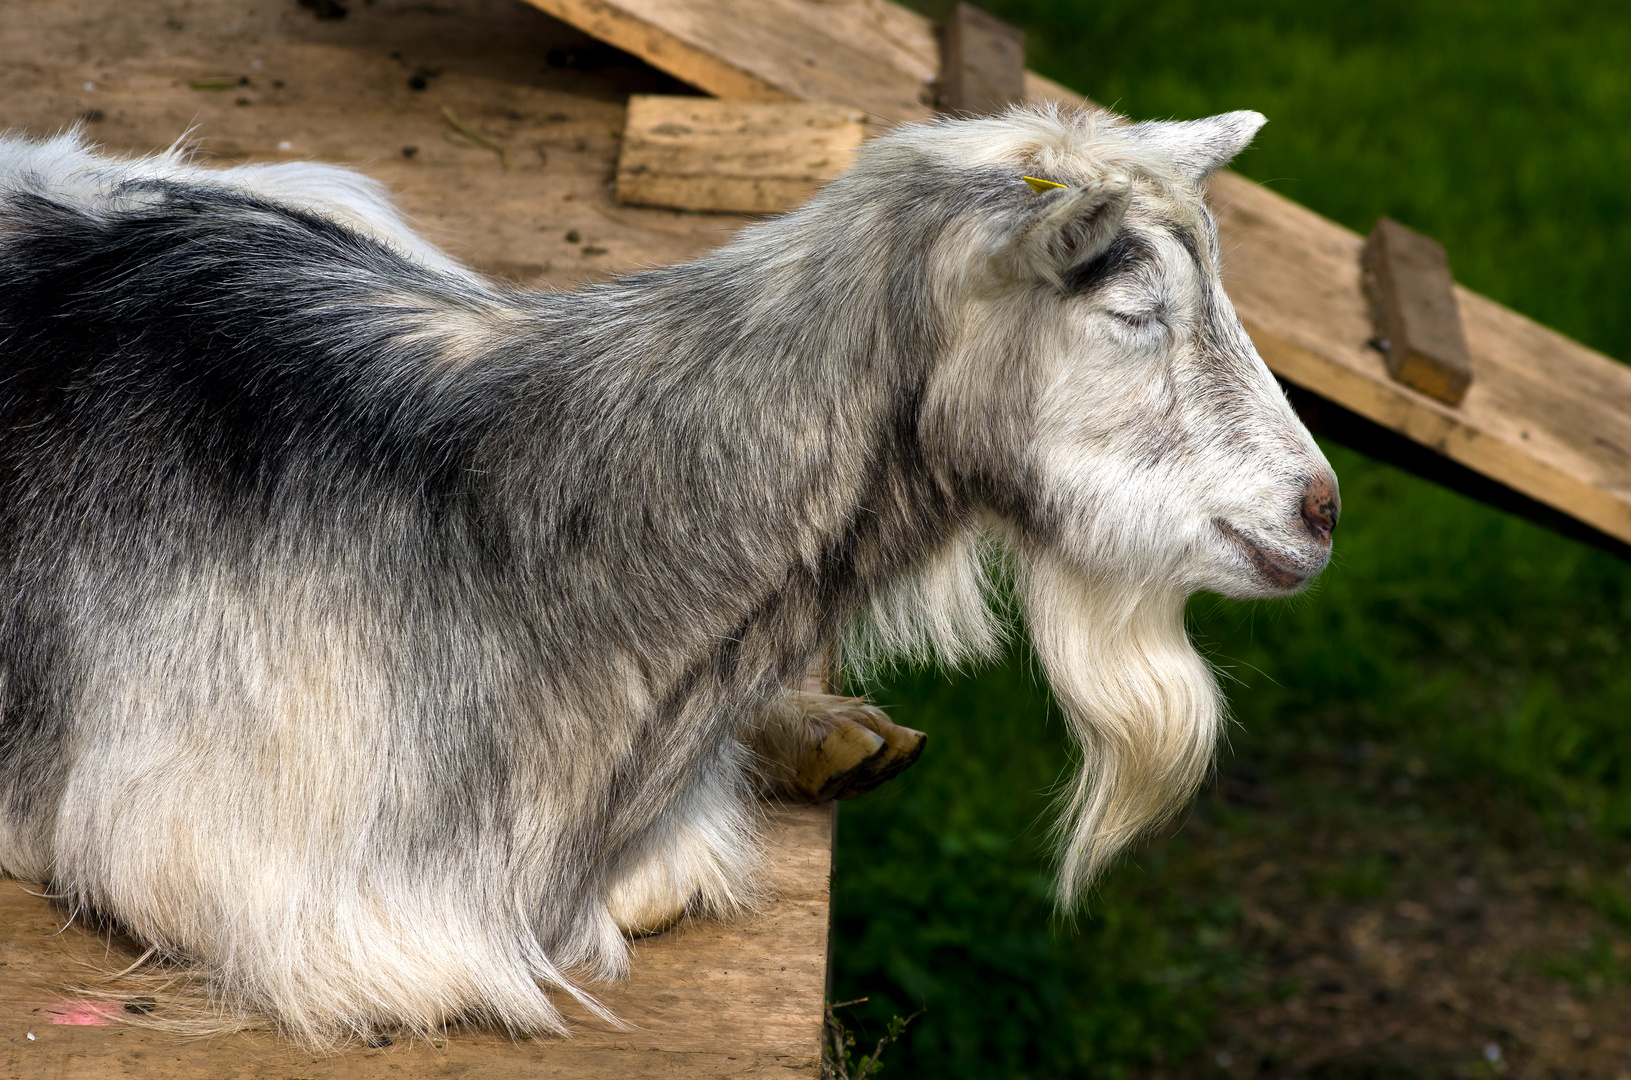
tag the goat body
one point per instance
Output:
(387, 643)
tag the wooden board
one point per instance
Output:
(753, 157)
(708, 999)
(741, 999)
(871, 54)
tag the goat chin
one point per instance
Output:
(1137, 696)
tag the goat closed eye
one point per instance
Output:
(1142, 328)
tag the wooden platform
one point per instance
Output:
(741, 999)
(737, 1000)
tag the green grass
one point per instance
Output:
(1453, 662)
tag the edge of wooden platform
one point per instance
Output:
(735, 998)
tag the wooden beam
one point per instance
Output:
(1406, 279)
(982, 65)
(1329, 420)
(870, 54)
(1040, 89)
(753, 157)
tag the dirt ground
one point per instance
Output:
(1416, 933)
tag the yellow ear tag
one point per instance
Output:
(1040, 186)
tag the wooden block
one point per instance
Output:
(1412, 296)
(870, 54)
(982, 63)
(696, 153)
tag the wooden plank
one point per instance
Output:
(1039, 89)
(741, 998)
(1406, 280)
(870, 54)
(737, 999)
(745, 156)
(982, 64)
(1329, 420)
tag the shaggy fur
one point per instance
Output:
(385, 643)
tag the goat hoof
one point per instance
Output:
(862, 749)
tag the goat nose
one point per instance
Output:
(1321, 507)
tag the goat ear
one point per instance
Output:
(1068, 226)
(1200, 148)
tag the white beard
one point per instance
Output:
(1138, 697)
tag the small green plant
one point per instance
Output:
(836, 1063)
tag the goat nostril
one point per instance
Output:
(1321, 507)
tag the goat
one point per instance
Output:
(388, 644)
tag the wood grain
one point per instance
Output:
(870, 54)
(745, 156)
(339, 91)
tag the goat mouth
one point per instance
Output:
(1276, 568)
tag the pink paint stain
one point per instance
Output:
(82, 1013)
